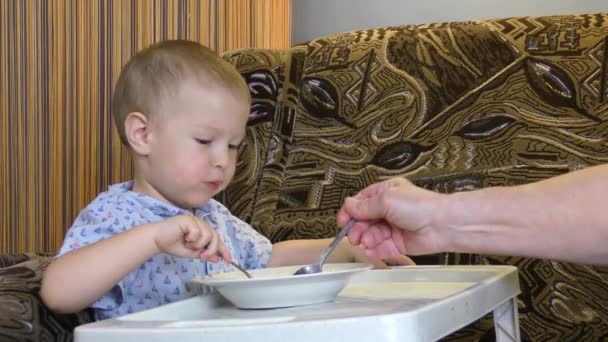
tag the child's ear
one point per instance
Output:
(137, 131)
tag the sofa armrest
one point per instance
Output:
(7, 260)
(23, 316)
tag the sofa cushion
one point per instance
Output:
(23, 317)
(11, 259)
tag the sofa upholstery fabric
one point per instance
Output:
(23, 316)
(452, 107)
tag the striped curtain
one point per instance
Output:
(59, 60)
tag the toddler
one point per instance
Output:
(182, 111)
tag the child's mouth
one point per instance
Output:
(214, 185)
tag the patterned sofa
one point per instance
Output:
(452, 107)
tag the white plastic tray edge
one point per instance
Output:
(467, 306)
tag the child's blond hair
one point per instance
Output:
(154, 75)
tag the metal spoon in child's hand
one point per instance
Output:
(241, 269)
(317, 268)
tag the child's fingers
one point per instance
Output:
(199, 244)
(224, 252)
(399, 260)
(207, 240)
(191, 235)
(214, 258)
(378, 264)
(210, 250)
(203, 236)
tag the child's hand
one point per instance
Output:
(397, 260)
(358, 254)
(187, 236)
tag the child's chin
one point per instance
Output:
(199, 202)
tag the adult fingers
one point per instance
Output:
(374, 235)
(356, 232)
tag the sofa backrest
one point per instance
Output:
(452, 107)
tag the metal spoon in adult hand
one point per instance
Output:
(318, 267)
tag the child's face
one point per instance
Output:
(194, 143)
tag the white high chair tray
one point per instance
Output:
(411, 303)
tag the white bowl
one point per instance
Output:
(277, 287)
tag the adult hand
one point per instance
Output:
(393, 217)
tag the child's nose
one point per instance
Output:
(221, 158)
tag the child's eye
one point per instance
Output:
(236, 146)
(203, 141)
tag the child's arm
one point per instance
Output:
(299, 252)
(77, 279)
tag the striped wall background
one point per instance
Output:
(59, 60)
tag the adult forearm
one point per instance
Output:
(77, 279)
(560, 218)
